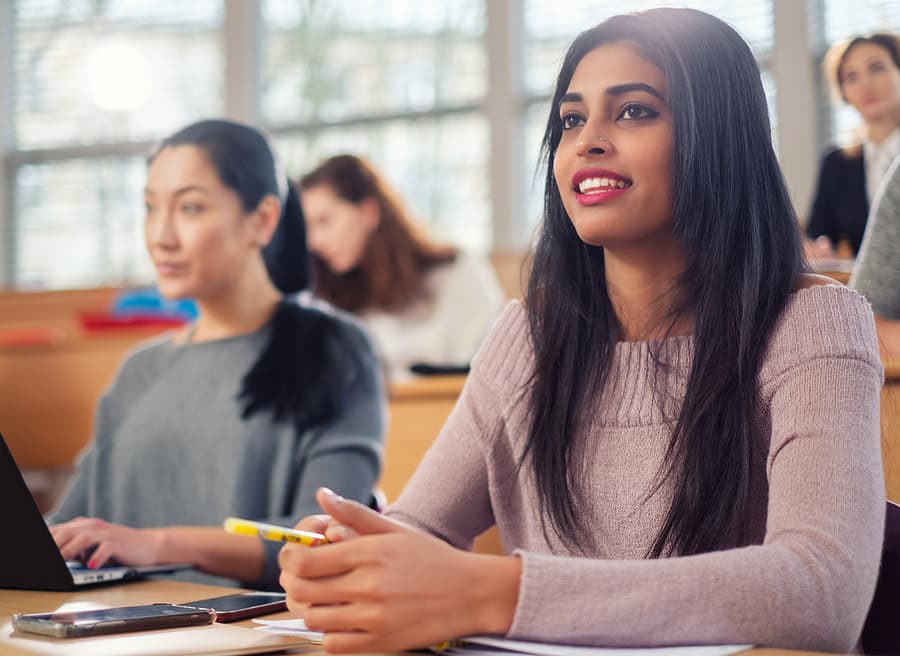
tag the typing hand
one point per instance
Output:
(393, 587)
(99, 542)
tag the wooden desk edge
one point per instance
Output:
(425, 387)
(180, 591)
(891, 368)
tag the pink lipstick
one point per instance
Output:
(593, 186)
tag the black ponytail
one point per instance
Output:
(300, 373)
(286, 257)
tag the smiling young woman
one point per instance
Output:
(677, 435)
(615, 114)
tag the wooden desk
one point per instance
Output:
(18, 601)
(838, 268)
(57, 309)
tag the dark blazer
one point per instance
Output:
(840, 207)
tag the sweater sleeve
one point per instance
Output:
(822, 218)
(877, 274)
(344, 455)
(809, 585)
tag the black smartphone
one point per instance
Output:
(242, 605)
(112, 620)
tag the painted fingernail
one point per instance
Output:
(92, 564)
(335, 498)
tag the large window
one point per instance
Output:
(90, 80)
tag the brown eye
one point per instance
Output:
(635, 112)
(571, 120)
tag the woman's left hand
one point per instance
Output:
(394, 587)
(104, 541)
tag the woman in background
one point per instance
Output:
(677, 435)
(877, 271)
(864, 72)
(422, 302)
(247, 411)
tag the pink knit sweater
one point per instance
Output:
(808, 577)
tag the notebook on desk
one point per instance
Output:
(29, 558)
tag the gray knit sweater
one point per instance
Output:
(808, 575)
(877, 273)
(171, 448)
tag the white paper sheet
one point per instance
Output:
(491, 646)
(296, 628)
(487, 645)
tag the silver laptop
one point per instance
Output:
(29, 558)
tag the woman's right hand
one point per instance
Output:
(367, 595)
(99, 542)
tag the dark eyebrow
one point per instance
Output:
(182, 190)
(616, 90)
(620, 89)
(571, 97)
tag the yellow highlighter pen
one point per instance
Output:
(273, 532)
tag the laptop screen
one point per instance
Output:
(29, 557)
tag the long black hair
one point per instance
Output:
(734, 219)
(298, 373)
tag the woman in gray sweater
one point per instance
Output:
(877, 272)
(247, 411)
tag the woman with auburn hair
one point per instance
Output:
(677, 434)
(422, 302)
(865, 73)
